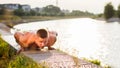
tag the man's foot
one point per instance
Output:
(19, 51)
(38, 49)
(51, 48)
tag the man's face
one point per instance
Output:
(42, 41)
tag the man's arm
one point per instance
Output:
(40, 43)
(27, 38)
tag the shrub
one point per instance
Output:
(6, 52)
(4, 49)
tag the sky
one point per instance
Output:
(93, 6)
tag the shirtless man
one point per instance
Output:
(39, 40)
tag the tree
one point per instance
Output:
(108, 11)
(51, 10)
(118, 11)
(2, 11)
(32, 12)
(19, 12)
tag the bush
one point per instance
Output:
(6, 53)
(109, 11)
(4, 49)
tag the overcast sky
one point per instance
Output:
(94, 6)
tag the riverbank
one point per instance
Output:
(51, 58)
(10, 22)
(67, 35)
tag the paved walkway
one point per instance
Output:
(57, 59)
(51, 58)
(4, 30)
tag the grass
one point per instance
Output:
(97, 62)
(4, 49)
(10, 20)
(21, 61)
(94, 61)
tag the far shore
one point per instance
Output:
(28, 19)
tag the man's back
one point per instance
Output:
(26, 38)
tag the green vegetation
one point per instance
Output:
(97, 62)
(8, 18)
(5, 50)
(6, 53)
(109, 11)
(94, 61)
(107, 66)
(118, 11)
(50, 12)
(9, 59)
(21, 61)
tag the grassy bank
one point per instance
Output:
(9, 59)
(11, 20)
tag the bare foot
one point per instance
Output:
(51, 48)
(38, 49)
(19, 51)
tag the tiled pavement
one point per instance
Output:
(57, 59)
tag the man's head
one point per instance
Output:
(42, 33)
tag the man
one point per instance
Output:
(39, 40)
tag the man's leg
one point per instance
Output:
(51, 42)
(33, 46)
(50, 48)
(17, 37)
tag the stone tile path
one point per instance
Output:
(57, 59)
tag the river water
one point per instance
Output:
(83, 37)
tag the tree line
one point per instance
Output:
(49, 10)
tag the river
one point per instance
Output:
(83, 37)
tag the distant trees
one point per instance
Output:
(109, 11)
(80, 13)
(52, 10)
(5, 14)
(19, 12)
(49, 10)
(2, 11)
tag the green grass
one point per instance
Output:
(94, 61)
(97, 62)
(4, 49)
(21, 61)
